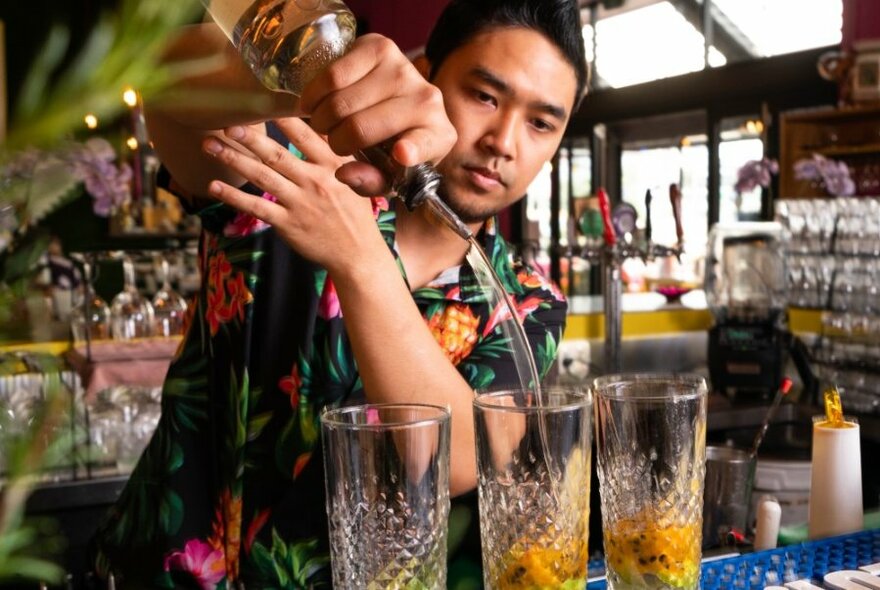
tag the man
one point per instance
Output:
(315, 296)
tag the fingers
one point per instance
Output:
(373, 94)
(424, 145)
(365, 54)
(263, 147)
(255, 171)
(258, 207)
(419, 115)
(313, 146)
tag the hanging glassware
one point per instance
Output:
(131, 314)
(90, 317)
(169, 306)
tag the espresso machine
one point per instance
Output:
(745, 284)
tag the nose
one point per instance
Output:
(501, 136)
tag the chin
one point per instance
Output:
(463, 207)
(468, 215)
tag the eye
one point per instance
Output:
(484, 97)
(542, 125)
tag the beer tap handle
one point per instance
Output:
(605, 209)
(649, 228)
(675, 200)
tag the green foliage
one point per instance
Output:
(122, 50)
(289, 566)
(48, 442)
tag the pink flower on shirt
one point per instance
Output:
(206, 564)
(501, 313)
(328, 307)
(245, 224)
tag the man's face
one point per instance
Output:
(509, 93)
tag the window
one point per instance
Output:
(538, 200)
(664, 39)
(657, 168)
(647, 44)
(774, 27)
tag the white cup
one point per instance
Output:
(836, 486)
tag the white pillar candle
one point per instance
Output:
(836, 487)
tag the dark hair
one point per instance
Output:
(558, 20)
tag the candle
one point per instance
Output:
(3, 105)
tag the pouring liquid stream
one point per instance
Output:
(523, 359)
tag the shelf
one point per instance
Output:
(833, 114)
(834, 133)
(848, 150)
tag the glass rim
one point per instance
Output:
(583, 399)
(439, 415)
(602, 386)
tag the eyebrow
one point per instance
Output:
(503, 87)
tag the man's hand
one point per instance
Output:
(373, 94)
(319, 216)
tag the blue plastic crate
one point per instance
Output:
(775, 567)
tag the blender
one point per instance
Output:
(745, 284)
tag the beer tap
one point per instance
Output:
(613, 287)
(612, 252)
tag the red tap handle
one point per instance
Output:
(605, 209)
(675, 201)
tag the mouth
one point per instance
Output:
(484, 178)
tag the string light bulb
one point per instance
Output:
(132, 143)
(130, 97)
(754, 127)
(91, 121)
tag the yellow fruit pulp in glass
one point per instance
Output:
(635, 548)
(540, 568)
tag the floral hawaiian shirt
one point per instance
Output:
(231, 487)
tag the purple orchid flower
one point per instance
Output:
(834, 174)
(755, 173)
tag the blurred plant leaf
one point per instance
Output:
(36, 83)
(21, 262)
(50, 185)
(46, 442)
(122, 50)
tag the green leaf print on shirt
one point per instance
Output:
(290, 566)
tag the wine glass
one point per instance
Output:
(131, 314)
(90, 317)
(169, 306)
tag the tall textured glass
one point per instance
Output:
(534, 487)
(387, 477)
(651, 453)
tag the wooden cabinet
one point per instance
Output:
(851, 135)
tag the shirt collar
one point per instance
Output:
(459, 282)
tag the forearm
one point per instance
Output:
(398, 358)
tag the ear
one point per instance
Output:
(422, 65)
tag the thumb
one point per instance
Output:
(364, 179)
